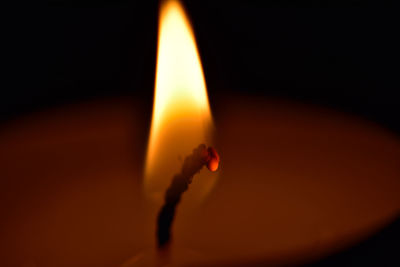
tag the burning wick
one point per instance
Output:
(193, 164)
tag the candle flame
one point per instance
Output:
(181, 113)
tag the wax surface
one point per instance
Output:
(295, 183)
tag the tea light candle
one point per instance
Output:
(295, 183)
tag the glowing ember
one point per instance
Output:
(181, 114)
(213, 160)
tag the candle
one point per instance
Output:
(295, 183)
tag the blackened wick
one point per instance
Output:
(192, 164)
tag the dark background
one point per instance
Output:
(344, 57)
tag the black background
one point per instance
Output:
(344, 57)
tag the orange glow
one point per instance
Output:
(181, 114)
